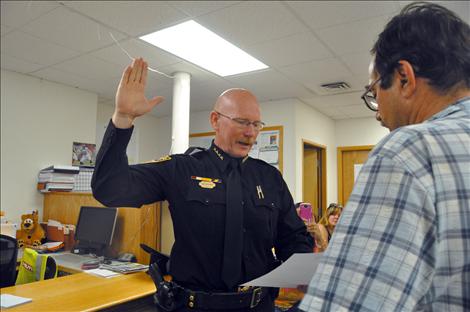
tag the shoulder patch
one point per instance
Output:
(161, 159)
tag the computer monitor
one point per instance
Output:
(95, 229)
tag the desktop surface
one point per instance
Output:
(82, 292)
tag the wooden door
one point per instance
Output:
(348, 157)
(314, 177)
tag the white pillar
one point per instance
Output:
(180, 120)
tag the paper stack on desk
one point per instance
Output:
(102, 273)
(124, 267)
(8, 301)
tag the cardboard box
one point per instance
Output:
(63, 233)
(55, 233)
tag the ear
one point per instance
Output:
(214, 117)
(407, 78)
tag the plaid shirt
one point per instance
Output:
(403, 240)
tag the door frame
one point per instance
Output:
(323, 177)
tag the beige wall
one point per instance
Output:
(39, 122)
(359, 131)
(315, 127)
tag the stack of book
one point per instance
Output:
(57, 178)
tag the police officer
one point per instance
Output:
(228, 210)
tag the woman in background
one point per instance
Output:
(323, 230)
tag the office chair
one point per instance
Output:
(8, 255)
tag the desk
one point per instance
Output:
(82, 292)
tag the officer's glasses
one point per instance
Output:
(369, 97)
(243, 123)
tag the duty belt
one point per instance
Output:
(224, 301)
(170, 296)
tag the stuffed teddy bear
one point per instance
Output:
(31, 231)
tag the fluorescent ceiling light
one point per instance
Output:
(202, 47)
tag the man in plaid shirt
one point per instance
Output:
(403, 240)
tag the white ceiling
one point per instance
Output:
(304, 43)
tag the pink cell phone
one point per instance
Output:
(306, 211)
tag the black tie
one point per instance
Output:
(233, 243)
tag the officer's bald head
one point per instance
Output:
(236, 99)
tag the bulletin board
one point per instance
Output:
(268, 146)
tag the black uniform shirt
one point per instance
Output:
(194, 185)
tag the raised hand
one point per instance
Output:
(130, 96)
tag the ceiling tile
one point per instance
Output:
(34, 50)
(102, 88)
(320, 14)
(14, 64)
(154, 56)
(251, 22)
(269, 85)
(196, 8)
(5, 29)
(318, 72)
(93, 68)
(297, 48)
(336, 100)
(353, 37)
(76, 32)
(358, 63)
(157, 83)
(131, 17)
(19, 13)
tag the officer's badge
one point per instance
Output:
(207, 183)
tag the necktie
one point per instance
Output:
(233, 242)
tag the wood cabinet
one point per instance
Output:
(133, 226)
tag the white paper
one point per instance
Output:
(297, 270)
(102, 272)
(52, 222)
(8, 300)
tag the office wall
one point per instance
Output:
(315, 127)
(282, 113)
(39, 122)
(359, 131)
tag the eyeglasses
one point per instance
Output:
(369, 97)
(243, 123)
